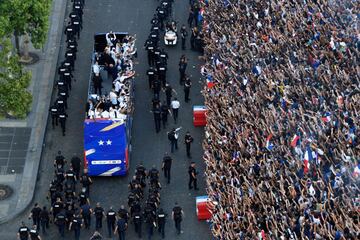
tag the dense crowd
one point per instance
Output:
(282, 138)
(116, 60)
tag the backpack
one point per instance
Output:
(177, 212)
(171, 136)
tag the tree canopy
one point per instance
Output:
(15, 99)
(25, 16)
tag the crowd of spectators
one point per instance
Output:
(282, 137)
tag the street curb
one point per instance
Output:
(33, 157)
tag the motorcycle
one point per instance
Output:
(170, 37)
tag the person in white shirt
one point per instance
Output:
(175, 105)
(110, 38)
(96, 68)
(117, 86)
(105, 114)
(113, 97)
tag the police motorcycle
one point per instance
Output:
(170, 37)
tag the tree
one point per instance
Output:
(15, 99)
(26, 17)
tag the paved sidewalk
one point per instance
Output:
(21, 141)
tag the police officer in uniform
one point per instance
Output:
(123, 213)
(166, 166)
(141, 174)
(187, 86)
(99, 214)
(57, 207)
(149, 215)
(192, 176)
(182, 68)
(34, 234)
(149, 46)
(120, 228)
(62, 120)
(54, 115)
(110, 219)
(162, 73)
(188, 140)
(69, 31)
(151, 75)
(60, 221)
(177, 215)
(76, 164)
(35, 215)
(23, 232)
(44, 219)
(86, 181)
(161, 219)
(157, 117)
(137, 220)
(184, 35)
(76, 225)
(164, 113)
(168, 92)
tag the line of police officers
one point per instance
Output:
(67, 66)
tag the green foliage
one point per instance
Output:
(25, 16)
(15, 99)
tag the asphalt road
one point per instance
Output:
(148, 147)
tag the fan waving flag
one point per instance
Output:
(105, 147)
(295, 140)
(269, 145)
(308, 157)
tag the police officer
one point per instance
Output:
(86, 212)
(62, 120)
(166, 166)
(69, 32)
(76, 164)
(149, 215)
(54, 115)
(137, 220)
(157, 117)
(192, 176)
(154, 176)
(149, 46)
(110, 219)
(72, 45)
(123, 213)
(35, 215)
(141, 174)
(61, 103)
(187, 86)
(60, 221)
(177, 216)
(182, 68)
(151, 75)
(168, 92)
(70, 175)
(66, 75)
(184, 35)
(57, 207)
(70, 56)
(120, 228)
(76, 225)
(34, 234)
(164, 113)
(86, 181)
(161, 219)
(23, 232)
(161, 16)
(162, 73)
(99, 214)
(188, 140)
(83, 197)
(44, 219)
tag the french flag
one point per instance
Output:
(308, 157)
(269, 146)
(295, 140)
(209, 81)
(327, 117)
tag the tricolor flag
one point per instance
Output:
(308, 157)
(209, 81)
(295, 140)
(326, 117)
(269, 146)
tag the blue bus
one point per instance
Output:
(107, 140)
